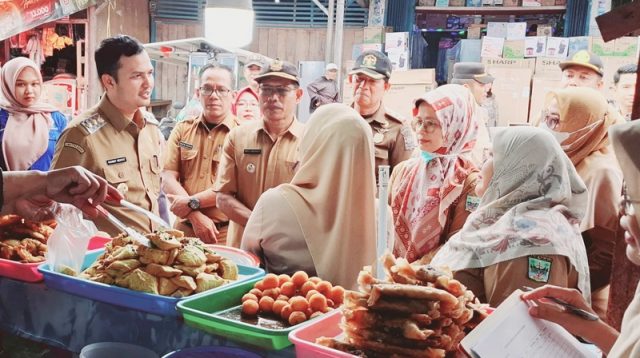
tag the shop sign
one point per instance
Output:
(36, 10)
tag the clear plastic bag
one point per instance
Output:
(67, 245)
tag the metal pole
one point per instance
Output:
(328, 48)
(337, 49)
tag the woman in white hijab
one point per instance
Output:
(323, 222)
(525, 231)
(626, 343)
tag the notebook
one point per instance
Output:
(511, 332)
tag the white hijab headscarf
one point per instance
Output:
(533, 206)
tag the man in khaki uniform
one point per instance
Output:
(193, 155)
(115, 139)
(261, 155)
(392, 135)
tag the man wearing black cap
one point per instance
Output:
(583, 69)
(260, 155)
(473, 76)
(392, 135)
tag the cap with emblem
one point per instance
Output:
(463, 71)
(280, 69)
(254, 62)
(584, 58)
(372, 64)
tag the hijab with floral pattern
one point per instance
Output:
(532, 206)
(424, 194)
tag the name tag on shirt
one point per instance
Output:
(257, 151)
(185, 145)
(116, 160)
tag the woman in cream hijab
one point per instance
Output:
(578, 118)
(29, 128)
(323, 222)
(525, 231)
(626, 343)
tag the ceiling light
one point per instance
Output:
(229, 23)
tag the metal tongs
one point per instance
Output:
(136, 236)
(129, 205)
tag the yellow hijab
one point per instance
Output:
(333, 193)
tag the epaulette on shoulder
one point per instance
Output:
(395, 115)
(92, 123)
(149, 117)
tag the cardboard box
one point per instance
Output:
(491, 63)
(535, 46)
(626, 46)
(557, 47)
(474, 31)
(548, 67)
(511, 3)
(601, 48)
(516, 30)
(407, 86)
(474, 3)
(426, 2)
(456, 2)
(492, 47)
(497, 29)
(539, 89)
(512, 87)
(513, 49)
(544, 30)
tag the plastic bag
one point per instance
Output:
(67, 245)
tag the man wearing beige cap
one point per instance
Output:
(262, 154)
(324, 90)
(252, 69)
(392, 135)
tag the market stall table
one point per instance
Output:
(70, 322)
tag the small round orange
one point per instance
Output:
(298, 303)
(296, 318)
(324, 287)
(306, 287)
(250, 307)
(259, 285)
(315, 279)
(318, 302)
(283, 278)
(337, 294)
(310, 293)
(256, 292)
(286, 312)
(299, 278)
(278, 306)
(288, 289)
(272, 292)
(249, 296)
(266, 304)
(270, 281)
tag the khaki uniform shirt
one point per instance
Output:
(393, 138)
(194, 152)
(106, 143)
(253, 162)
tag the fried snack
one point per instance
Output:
(192, 271)
(162, 271)
(120, 267)
(125, 252)
(205, 281)
(166, 287)
(164, 240)
(139, 280)
(228, 270)
(191, 255)
(391, 290)
(153, 256)
(185, 282)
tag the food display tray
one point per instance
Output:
(146, 302)
(29, 272)
(211, 313)
(304, 338)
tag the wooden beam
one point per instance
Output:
(619, 21)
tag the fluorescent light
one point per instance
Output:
(229, 23)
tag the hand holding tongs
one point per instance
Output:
(136, 236)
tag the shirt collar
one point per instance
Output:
(296, 128)
(229, 121)
(113, 115)
(377, 116)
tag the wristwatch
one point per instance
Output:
(194, 203)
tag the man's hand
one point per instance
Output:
(204, 227)
(180, 206)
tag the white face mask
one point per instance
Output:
(559, 136)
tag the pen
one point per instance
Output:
(569, 307)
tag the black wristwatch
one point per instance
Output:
(194, 203)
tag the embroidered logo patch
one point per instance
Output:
(74, 146)
(472, 203)
(539, 269)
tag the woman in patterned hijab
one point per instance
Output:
(525, 231)
(430, 194)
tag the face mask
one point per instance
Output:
(559, 136)
(427, 156)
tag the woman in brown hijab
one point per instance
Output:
(323, 222)
(578, 118)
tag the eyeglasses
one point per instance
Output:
(428, 126)
(362, 80)
(220, 91)
(626, 205)
(280, 91)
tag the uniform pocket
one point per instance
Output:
(187, 162)
(117, 174)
